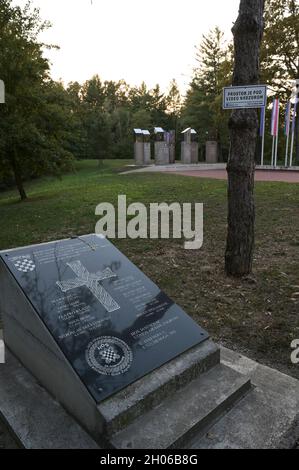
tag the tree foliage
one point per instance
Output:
(35, 122)
(203, 105)
(108, 111)
(280, 47)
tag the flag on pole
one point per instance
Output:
(287, 119)
(293, 131)
(262, 133)
(262, 123)
(294, 116)
(275, 131)
(275, 118)
(287, 130)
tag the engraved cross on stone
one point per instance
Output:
(91, 281)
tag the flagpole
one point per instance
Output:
(287, 131)
(273, 120)
(273, 148)
(277, 134)
(292, 149)
(287, 151)
(263, 135)
(293, 133)
(276, 150)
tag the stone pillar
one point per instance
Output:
(147, 153)
(186, 153)
(211, 151)
(146, 147)
(139, 153)
(161, 147)
(194, 152)
(189, 150)
(172, 147)
(161, 153)
(138, 147)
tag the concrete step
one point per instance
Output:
(123, 408)
(266, 418)
(189, 411)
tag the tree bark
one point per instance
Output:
(243, 125)
(18, 177)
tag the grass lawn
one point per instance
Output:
(258, 316)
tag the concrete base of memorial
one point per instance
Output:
(161, 153)
(189, 153)
(147, 153)
(211, 151)
(139, 153)
(171, 154)
(29, 340)
(194, 152)
(186, 153)
(215, 408)
(33, 418)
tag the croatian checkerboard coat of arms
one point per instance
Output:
(24, 264)
(108, 355)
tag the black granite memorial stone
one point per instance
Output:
(111, 322)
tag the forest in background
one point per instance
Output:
(45, 126)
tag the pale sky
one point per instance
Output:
(130, 39)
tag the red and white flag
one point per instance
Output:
(275, 117)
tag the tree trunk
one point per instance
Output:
(18, 177)
(247, 31)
